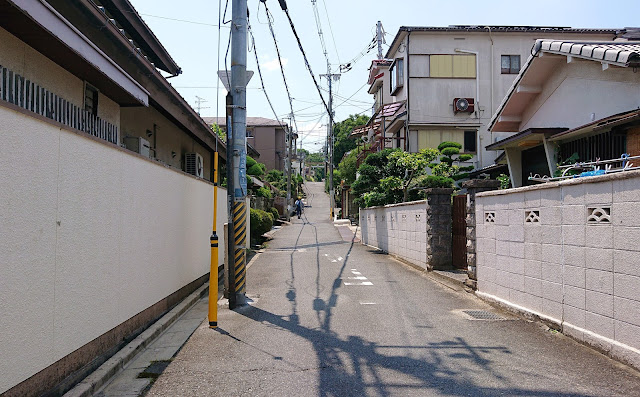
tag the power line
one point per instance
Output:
(182, 20)
(283, 5)
(335, 47)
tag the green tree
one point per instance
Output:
(254, 168)
(219, 132)
(348, 167)
(446, 167)
(341, 130)
(315, 157)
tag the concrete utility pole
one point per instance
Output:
(330, 77)
(287, 166)
(380, 37)
(237, 155)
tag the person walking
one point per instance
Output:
(299, 207)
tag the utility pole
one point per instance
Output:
(287, 166)
(380, 38)
(237, 156)
(330, 77)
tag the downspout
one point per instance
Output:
(406, 128)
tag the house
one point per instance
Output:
(266, 136)
(106, 195)
(572, 98)
(443, 84)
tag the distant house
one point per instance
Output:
(443, 83)
(106, 199)
(571, 98)
(266, 136)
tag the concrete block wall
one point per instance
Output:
(398, 229)
(569, 252)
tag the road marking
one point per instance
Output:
(334, 261)
(357, 276)
(368, 303)
(340, 258)
(358, 273)
(361, 283)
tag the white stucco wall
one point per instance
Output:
(91, 236)
(398, 229)
(581, 275)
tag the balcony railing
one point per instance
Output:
(28, 95)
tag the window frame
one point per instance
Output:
(396, 75)
(475, 142)
(510, 70)
(95, 98)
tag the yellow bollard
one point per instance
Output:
(213, 275)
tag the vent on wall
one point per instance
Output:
(194, 164)
(463, 105)
(598, 215)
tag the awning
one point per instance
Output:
(607, 122)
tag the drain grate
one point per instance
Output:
(482, 315)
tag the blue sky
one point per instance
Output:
(348, 26)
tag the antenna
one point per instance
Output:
(199, 102)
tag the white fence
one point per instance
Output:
(569, 252)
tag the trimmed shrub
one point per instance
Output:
(261, 222)
(264, 192)
(274, 211)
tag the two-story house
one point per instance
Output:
(443, 83)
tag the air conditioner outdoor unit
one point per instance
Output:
(463, 105)
(194, 165)
(137, 144)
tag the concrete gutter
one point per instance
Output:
(92, 383)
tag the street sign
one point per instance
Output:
(224, 76)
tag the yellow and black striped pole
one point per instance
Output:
(213, 274)
(240, 238)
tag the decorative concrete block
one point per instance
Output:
(626, 214)
(574, 296)
(551, 215)
(600, 281)
(600, 236)
(552, 291)
(552, 309)
(551, 272)
(551, 234)
(626, 238)
(533, 268)
(533, 286)
(574, 255)
(573, 194)
(532, 251)
(599, 193)
(599, 324)
(626, 190)
(516, 250)
(626, 333)
(574, 316)
(550, 197)
(600, 303)
(627, 310)
(626, 286)
(551, 253)
(574, 215)
(575, 276)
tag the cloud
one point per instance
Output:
(273, 64)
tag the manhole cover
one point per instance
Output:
(482, 315)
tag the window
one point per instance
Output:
(469, 142)
(91, 99)
(510, 64)
(397, 74)
(452, 66)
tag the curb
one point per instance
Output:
(98, 378)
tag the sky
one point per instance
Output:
(189, 31)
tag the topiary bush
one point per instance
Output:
(264, 192)
(274, 212)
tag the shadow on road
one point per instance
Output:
(355, 366)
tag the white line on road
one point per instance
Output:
(361, 283)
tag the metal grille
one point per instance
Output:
(482, 315)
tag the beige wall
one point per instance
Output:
(92, 235)
(27, 62)
(135, 121)
(267, 141)
(579, 274)
(578, 89)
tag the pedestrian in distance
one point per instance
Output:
(299, 207)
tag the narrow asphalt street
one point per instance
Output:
(335, 318)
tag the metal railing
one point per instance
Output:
(592, 168)
(28, 95)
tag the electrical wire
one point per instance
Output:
(284, 78)
(331, 30)
(283, 5)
